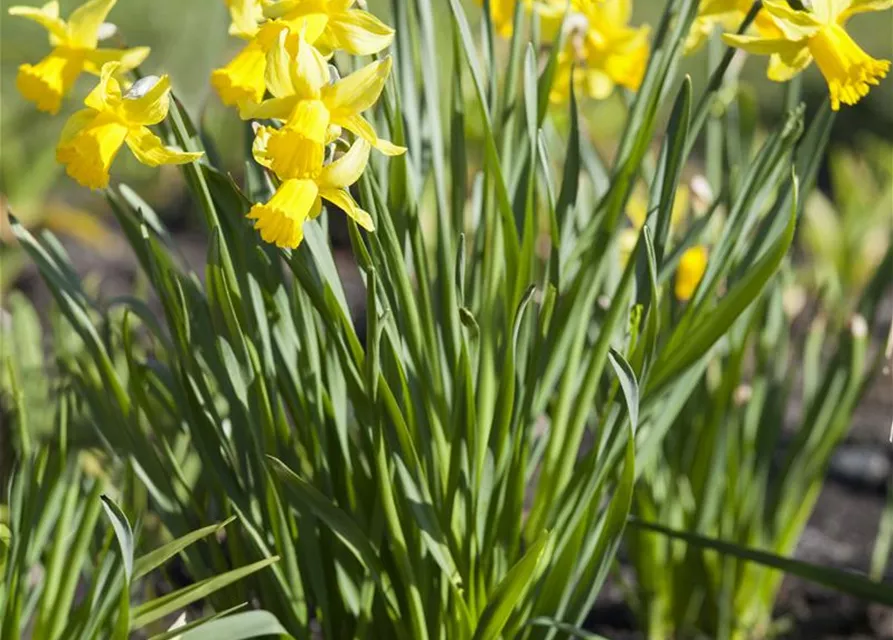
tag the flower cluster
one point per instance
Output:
(600, 46)
(286, 57)
(602, 51)
(117, 112)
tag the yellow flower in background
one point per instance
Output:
(727, 14)
(304, 75)
(502, 13)
(75, 50)
(692, 266)
(296, 154)
(799, 37)
(637, 213)
(602, 49)
(352, 30)
(245, 17)
(92, 136)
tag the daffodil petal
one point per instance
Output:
(343, 200)
(783, 67)
(260, 146)
(795, 24)
(245, 16)
(360, 126)
(763, 46)
(347, 169)
(48, 81)
(78, 121)
(242, 80)
(277, 74)
(359, 32)
(863, 6)
(310, 72)
(84, 22)
(127, 58)
(47, 17)
(151, 107)
(360, 90)
(107, 93)
(280, 108)
(150, 150)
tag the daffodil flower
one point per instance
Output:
(692, 266)
(799, 37)
(242, 80)
(352, 30)
(305, 76)
(502, 13)
(92, 136)
(602, 48)
(296, 155)
(75, 49)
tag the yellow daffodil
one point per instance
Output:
(691, 269)
(74, 50)
(352, 30)
(246, 17)
(727, 14)
(602, 48)
(637, 213)
(801, 36)
(242, 80)
(502, 13)
(296, 154)
(304, 75)
(92, 136)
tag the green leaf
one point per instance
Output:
(512, 589)
(250, 624)
(123, 533)
(153, 610)
(157, 557)
(847, 582)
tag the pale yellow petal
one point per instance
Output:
(343, 200)
(347, 169)
(84, 22)
(147, 105)
(359, 32)
(310, 72)
(47, 17)
(794, 24)
(107, 94)
(128, 59)
(783, 67)
(280, 108)
(361, 127)
(278, 73)
(358, 91)
(762, 46)
(150, 150)
(863, 6)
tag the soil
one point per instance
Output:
(841, 532)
